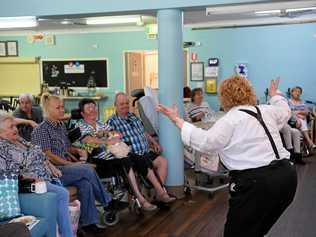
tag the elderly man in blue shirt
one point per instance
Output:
(133, 132)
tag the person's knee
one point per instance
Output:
(162, 161)
(64, 195)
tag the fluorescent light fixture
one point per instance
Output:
(18, 22)
(109, 20)
(257, 7)
(269, 12)
(301, 9)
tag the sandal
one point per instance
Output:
(165, 198)
(147, 206)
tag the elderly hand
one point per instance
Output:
(112, 141)
(156, 147)
(32, 123)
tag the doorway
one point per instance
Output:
(141, 69)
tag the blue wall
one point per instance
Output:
(286, 51)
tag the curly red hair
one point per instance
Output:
(235, 91)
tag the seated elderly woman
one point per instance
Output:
(292, 140)
(92, 132)
(198, 110)
(19, 155)
(300, 111)
(51, 136)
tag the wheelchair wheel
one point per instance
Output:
(111, 218)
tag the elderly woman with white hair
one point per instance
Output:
(263, 181)
(29, 114)
(16, 154)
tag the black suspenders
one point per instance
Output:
(258, 116)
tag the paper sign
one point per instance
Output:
(211, 72)
(74, 68)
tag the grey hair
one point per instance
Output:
(26, 95)
(3, 117)
(117, 95)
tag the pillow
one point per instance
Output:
(9, 199)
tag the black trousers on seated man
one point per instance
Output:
(258, 198)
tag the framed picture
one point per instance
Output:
(210, 85)
(3, 49)
(12, 48)
(197, 71)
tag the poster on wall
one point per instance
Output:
(211, 75)
(210, 85)
(197, 71)
(241, 69)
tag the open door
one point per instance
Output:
(134, 69)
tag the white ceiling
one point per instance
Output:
(222, 16)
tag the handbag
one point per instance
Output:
(119, 150)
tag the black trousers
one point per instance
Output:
(258, 198)
(109, 168)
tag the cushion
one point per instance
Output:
(9, 199)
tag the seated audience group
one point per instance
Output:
(36, 145)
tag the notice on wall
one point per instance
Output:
(74, 68)
(211, 72)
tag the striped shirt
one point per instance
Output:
(87, 129)
(297, 106)
(133, 132)
(192, 110)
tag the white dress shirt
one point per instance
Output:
(239, 138)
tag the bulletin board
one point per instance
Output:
(19, 75)
(74, 72)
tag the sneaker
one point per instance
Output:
(93, 228)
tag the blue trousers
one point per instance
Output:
(63, 218)
(90, 189)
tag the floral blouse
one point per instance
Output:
(28, 161)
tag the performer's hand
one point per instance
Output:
(273, 90)
(172, 113)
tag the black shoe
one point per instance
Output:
(298, 159)
(93, 228)
(116, 205)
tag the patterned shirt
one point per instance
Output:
(88, 130)
(133, 132)
(52, 136)
(28, 160)
(25, 130)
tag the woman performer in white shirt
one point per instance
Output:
(263, 181)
